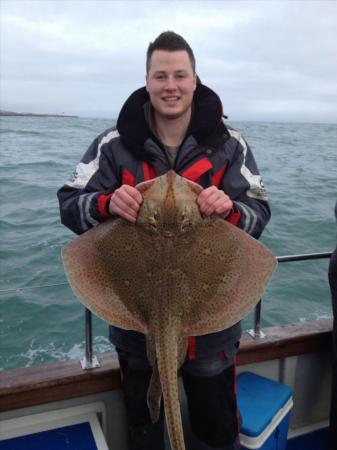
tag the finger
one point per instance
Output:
(205, 193)
(119, 207)
(127, 199)
(208, 202)
(130, 215)
(224, 208)
(219, 205)
(133, 192)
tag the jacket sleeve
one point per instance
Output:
(85, 197)
(244, 185)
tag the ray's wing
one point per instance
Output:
(107, 272)
(227, 273)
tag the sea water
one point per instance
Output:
(41, 320)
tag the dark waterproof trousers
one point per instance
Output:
(211, 402)
(333, 411)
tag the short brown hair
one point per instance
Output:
(171, 42)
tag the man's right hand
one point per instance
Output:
(125, 202)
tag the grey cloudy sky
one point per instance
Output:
(268, 60)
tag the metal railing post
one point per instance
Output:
(89, 361)
(256, 332)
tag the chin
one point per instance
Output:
(171, 115)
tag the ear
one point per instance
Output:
(147, 82)
(195, 82)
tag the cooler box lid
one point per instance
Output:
(260, 400)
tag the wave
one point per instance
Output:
(51, 352)
(21, 132)
(24, 165)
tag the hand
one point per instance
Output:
(125, 202)
(214, 201)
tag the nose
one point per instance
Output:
(170, 83)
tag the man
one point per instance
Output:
(174, 123)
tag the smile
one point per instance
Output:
(171, 99)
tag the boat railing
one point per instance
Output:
(256, 332)
(90, 361)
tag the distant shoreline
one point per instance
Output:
(12, 113)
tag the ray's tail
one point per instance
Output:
(167, 360)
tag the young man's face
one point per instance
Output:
(171, 83)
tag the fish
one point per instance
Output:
(171, 275)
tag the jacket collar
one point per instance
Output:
(206, 126)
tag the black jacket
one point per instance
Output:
(211, 154)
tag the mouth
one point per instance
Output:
(171, 99)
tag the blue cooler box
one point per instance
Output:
(265, 407)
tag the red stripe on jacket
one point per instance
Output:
(191, 352)
(218, 176)
(148, 171)
(128, 178)
(234, 216)
(197, 169)
(102, 205)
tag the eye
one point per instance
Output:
(186, 222)
(153, 221)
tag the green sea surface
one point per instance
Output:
(42, 321)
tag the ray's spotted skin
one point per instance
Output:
(171, 275)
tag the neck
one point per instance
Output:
(172, 131)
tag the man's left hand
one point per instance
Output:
(214, 201)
